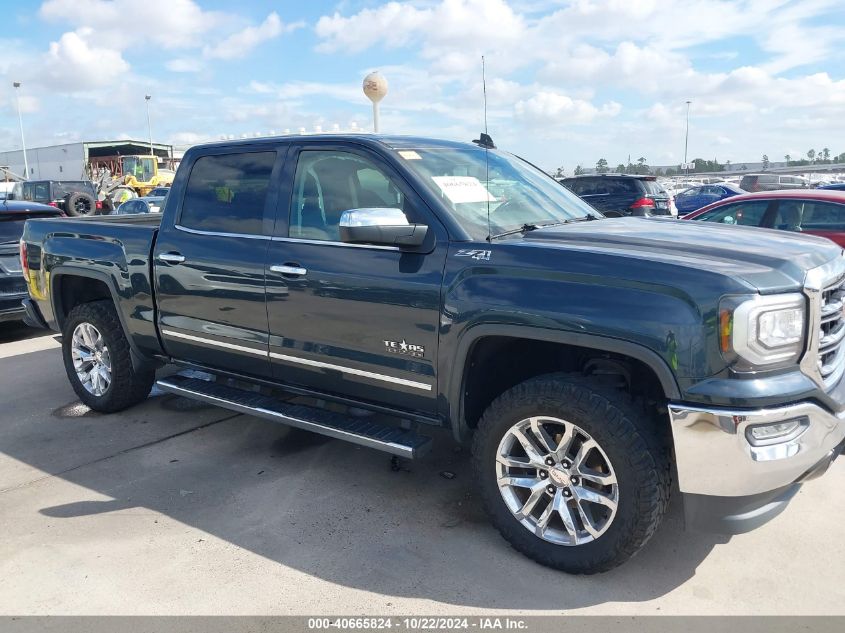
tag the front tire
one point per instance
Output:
(98, 361)
(572, 474)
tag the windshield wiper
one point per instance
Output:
(583, 218)
(525, 228)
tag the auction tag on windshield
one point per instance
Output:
(409, 154)
(463, 189)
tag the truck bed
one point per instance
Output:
(113, 250)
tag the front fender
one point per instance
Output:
(469, 336)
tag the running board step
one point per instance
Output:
(390, 439)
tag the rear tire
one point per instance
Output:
(79, 204)
(612, 511)
(94, 346)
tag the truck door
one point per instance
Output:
(355, 320)
(209, 262)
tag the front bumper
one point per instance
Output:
(731, 486)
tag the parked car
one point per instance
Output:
(836, 186)
(621, 194)
(813, 211)
(158, 191)
(697, 197)
(147, 204)
(73, 197)
(772, 182)
(583, 359)
(13, 215)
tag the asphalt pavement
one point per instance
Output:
(177, 508)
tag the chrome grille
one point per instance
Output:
(831, 351)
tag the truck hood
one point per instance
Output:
(766, 260)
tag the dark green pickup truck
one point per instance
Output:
(412, 283)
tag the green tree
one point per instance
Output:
(579, 171)
(788, 158)
(620, 168)
(642, 167)
(811, 154)
(560, 173)
(601, 166)
(765, 162)
(826, 155)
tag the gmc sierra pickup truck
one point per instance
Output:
(369, 287)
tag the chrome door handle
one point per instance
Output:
(171, 258)
(290, 270)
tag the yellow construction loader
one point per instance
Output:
(142, 174)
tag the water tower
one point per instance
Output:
(375, 87)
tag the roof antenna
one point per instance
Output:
(486, 142)
(484, 139)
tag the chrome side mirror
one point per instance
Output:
(380, 226)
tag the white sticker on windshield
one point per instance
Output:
(409, 154)
(463, 189)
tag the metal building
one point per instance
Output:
(79, 161)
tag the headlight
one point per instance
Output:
(765, 329)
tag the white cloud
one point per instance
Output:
(119, 24)
(184, 65)
(73, 64)
(453, 33)
(241, 44)
(550, 108)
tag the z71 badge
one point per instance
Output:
(402, 347)
(474, 253)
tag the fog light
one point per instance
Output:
(765, 434)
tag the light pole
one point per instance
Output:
(149, 125)
(686, 141)
(375, 87)
(17, 86)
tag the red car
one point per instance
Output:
(812, 211)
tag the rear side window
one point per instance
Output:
(227, 193)
(61, 189)
(653, 188)
(581, 186)
(34, 191)
(747, 182)
(622, 186)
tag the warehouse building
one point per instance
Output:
(81, 160)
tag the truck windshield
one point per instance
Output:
(142, 167)
(518, 194)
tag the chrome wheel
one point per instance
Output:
(91, 359)
(556, 480)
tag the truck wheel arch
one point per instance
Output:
(456, 387)
(98, 286)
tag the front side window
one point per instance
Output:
(329, 182)
(742, 213)
(490, 192)
(227, 193)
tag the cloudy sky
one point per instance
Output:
(568, 82)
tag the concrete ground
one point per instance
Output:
(175, 508)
